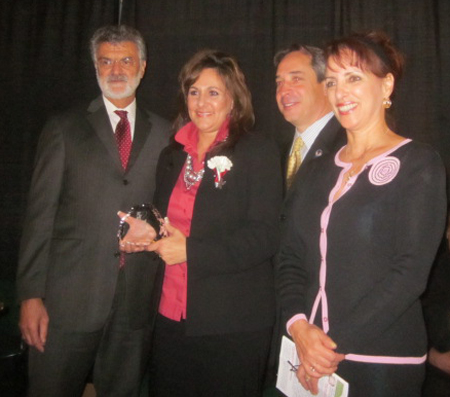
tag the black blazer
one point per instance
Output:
(234, 233)
(69, 236)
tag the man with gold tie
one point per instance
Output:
(84, 308)
(301, 100)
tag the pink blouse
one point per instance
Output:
(181, 207)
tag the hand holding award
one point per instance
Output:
(138, 228)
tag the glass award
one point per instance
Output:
(146, 212)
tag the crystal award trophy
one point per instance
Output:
(147, 213)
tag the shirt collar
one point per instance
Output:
(312, 132)
(111, 108)
(188, 137)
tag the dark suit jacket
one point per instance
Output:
(330, 140)
(69, 237)
(234, 233)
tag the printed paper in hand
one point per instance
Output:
(287, 382)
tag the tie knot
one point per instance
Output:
(122, 114)
(298, 144)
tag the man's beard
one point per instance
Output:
(129, 90)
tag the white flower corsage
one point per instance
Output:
(221, 165)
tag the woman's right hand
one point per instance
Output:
(139, 237)
(316, 351)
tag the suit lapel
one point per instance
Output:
(178, 160)
(173, 166)
(142, 130)
(98, 118)
(331, 138)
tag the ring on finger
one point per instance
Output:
(312, 369)
(124, 218)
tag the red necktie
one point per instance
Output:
(123, 137)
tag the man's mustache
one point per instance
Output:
(117, 78)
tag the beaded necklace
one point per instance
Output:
(190, 176)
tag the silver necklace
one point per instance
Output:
(190, 176)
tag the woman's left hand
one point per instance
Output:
(171, 249)
(309, 383)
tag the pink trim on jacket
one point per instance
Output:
(321, 297)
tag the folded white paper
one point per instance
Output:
(287, 382)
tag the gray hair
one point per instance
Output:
(318, 61)
(117, 34)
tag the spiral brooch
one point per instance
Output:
(384, 171)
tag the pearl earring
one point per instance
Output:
(387, 103)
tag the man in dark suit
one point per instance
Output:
(84, 307)
(301, 99)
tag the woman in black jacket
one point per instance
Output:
(220, 186)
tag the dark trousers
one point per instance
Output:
(230, 365)
(117, 354)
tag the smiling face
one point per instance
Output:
(119, 71)
(356, 95)
(300, 96)
(209, 102)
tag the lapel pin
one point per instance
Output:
(319, 152)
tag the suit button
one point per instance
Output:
(125, 182)
(282, 217)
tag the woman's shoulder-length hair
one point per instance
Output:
(241, 116)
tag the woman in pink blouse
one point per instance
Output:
(220, 187)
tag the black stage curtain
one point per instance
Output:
(46, 66)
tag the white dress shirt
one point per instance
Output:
(114, 118)
(311, 133)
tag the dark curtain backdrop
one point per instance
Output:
(46, 67)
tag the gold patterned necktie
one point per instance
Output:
(295, 160)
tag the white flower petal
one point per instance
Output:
(220, 163)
